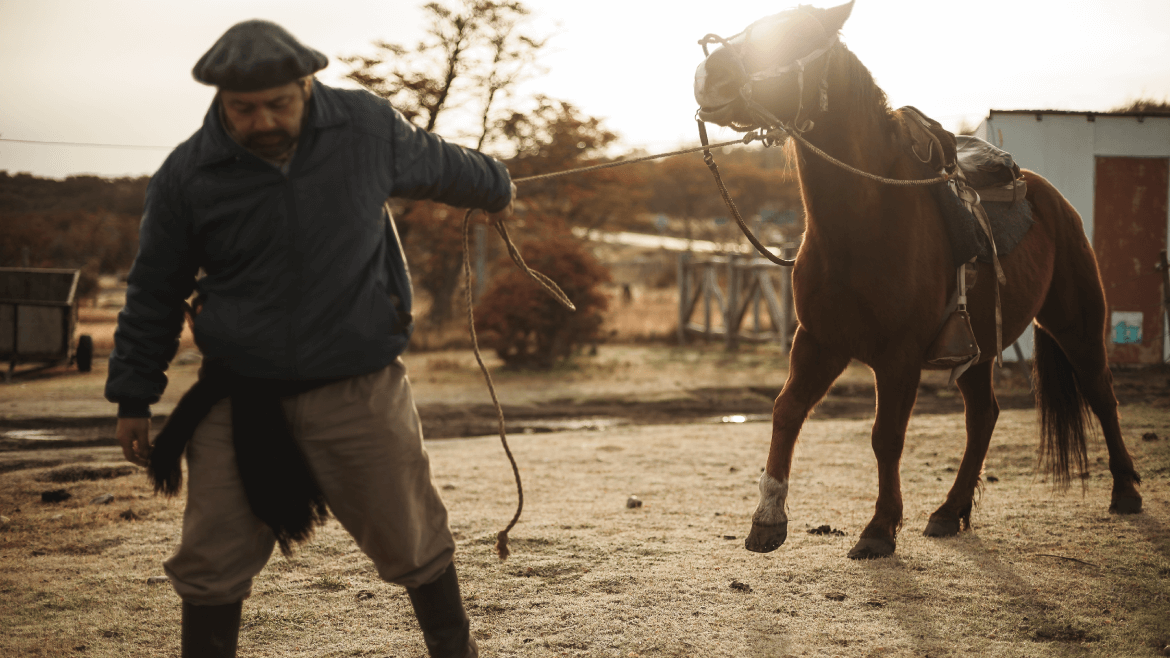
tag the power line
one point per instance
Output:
(87, 144)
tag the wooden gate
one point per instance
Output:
(752, 284)
(1130, 215)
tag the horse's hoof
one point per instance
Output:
(766, 538)
(1126, 505)
(941, 528)
(868, 548)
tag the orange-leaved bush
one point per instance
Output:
(524, 324)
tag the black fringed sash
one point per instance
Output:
(279, 485)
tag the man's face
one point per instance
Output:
(266, 122)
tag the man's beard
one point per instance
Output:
(270, 144)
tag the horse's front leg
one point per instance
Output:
(981, 412)
(897, 388)
(812, 369)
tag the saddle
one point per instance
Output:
(985, 214)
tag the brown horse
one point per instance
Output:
(874, 275)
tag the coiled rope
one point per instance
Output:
(553, 289)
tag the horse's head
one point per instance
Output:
(773, 70)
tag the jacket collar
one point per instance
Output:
(216, 145)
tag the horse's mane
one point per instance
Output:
(864, 98)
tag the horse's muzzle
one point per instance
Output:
(723, 115)
(715, 93)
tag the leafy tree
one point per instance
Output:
(554, 137)
(684, 188)
(82, 222)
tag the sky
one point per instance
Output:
(119, 71)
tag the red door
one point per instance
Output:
(1129, 230)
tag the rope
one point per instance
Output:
(558, 294)
(881, 179)
(710, 160)
(746, 139)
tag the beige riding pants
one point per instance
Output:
(363, 440)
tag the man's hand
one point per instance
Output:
(502, 215)
(134, 435)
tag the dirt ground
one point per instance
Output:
(1042, 573)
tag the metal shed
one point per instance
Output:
(1115, 170)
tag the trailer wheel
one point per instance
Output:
(84, 353)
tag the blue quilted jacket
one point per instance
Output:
(304, 275)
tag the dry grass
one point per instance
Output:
(589, 577)
(651, 314)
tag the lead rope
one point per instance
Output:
(553, 289)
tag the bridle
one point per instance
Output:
(764, 119)
(767, 128)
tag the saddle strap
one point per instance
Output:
(970, 198)
(926, 142)
(1010, 193)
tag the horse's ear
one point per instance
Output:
(833, 19)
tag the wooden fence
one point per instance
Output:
(752, 284)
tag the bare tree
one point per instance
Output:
(474, 54)
(512, 59)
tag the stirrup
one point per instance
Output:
(955, 346)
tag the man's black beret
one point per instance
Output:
(255, 55)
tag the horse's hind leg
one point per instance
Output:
(812, 369)
(897, 388)
(982, 411)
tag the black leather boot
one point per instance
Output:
(211, 631)
(439, 608)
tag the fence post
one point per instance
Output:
(708, 274)
(731, 308)
(756, 302)
(683, 296)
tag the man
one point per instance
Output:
(305, 307)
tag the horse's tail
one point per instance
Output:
(1064, 412)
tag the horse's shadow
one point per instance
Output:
(1155, 532)
(1022, 609)
(929, 625)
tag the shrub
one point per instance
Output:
(524, 324)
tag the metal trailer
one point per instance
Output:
(38, 317)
